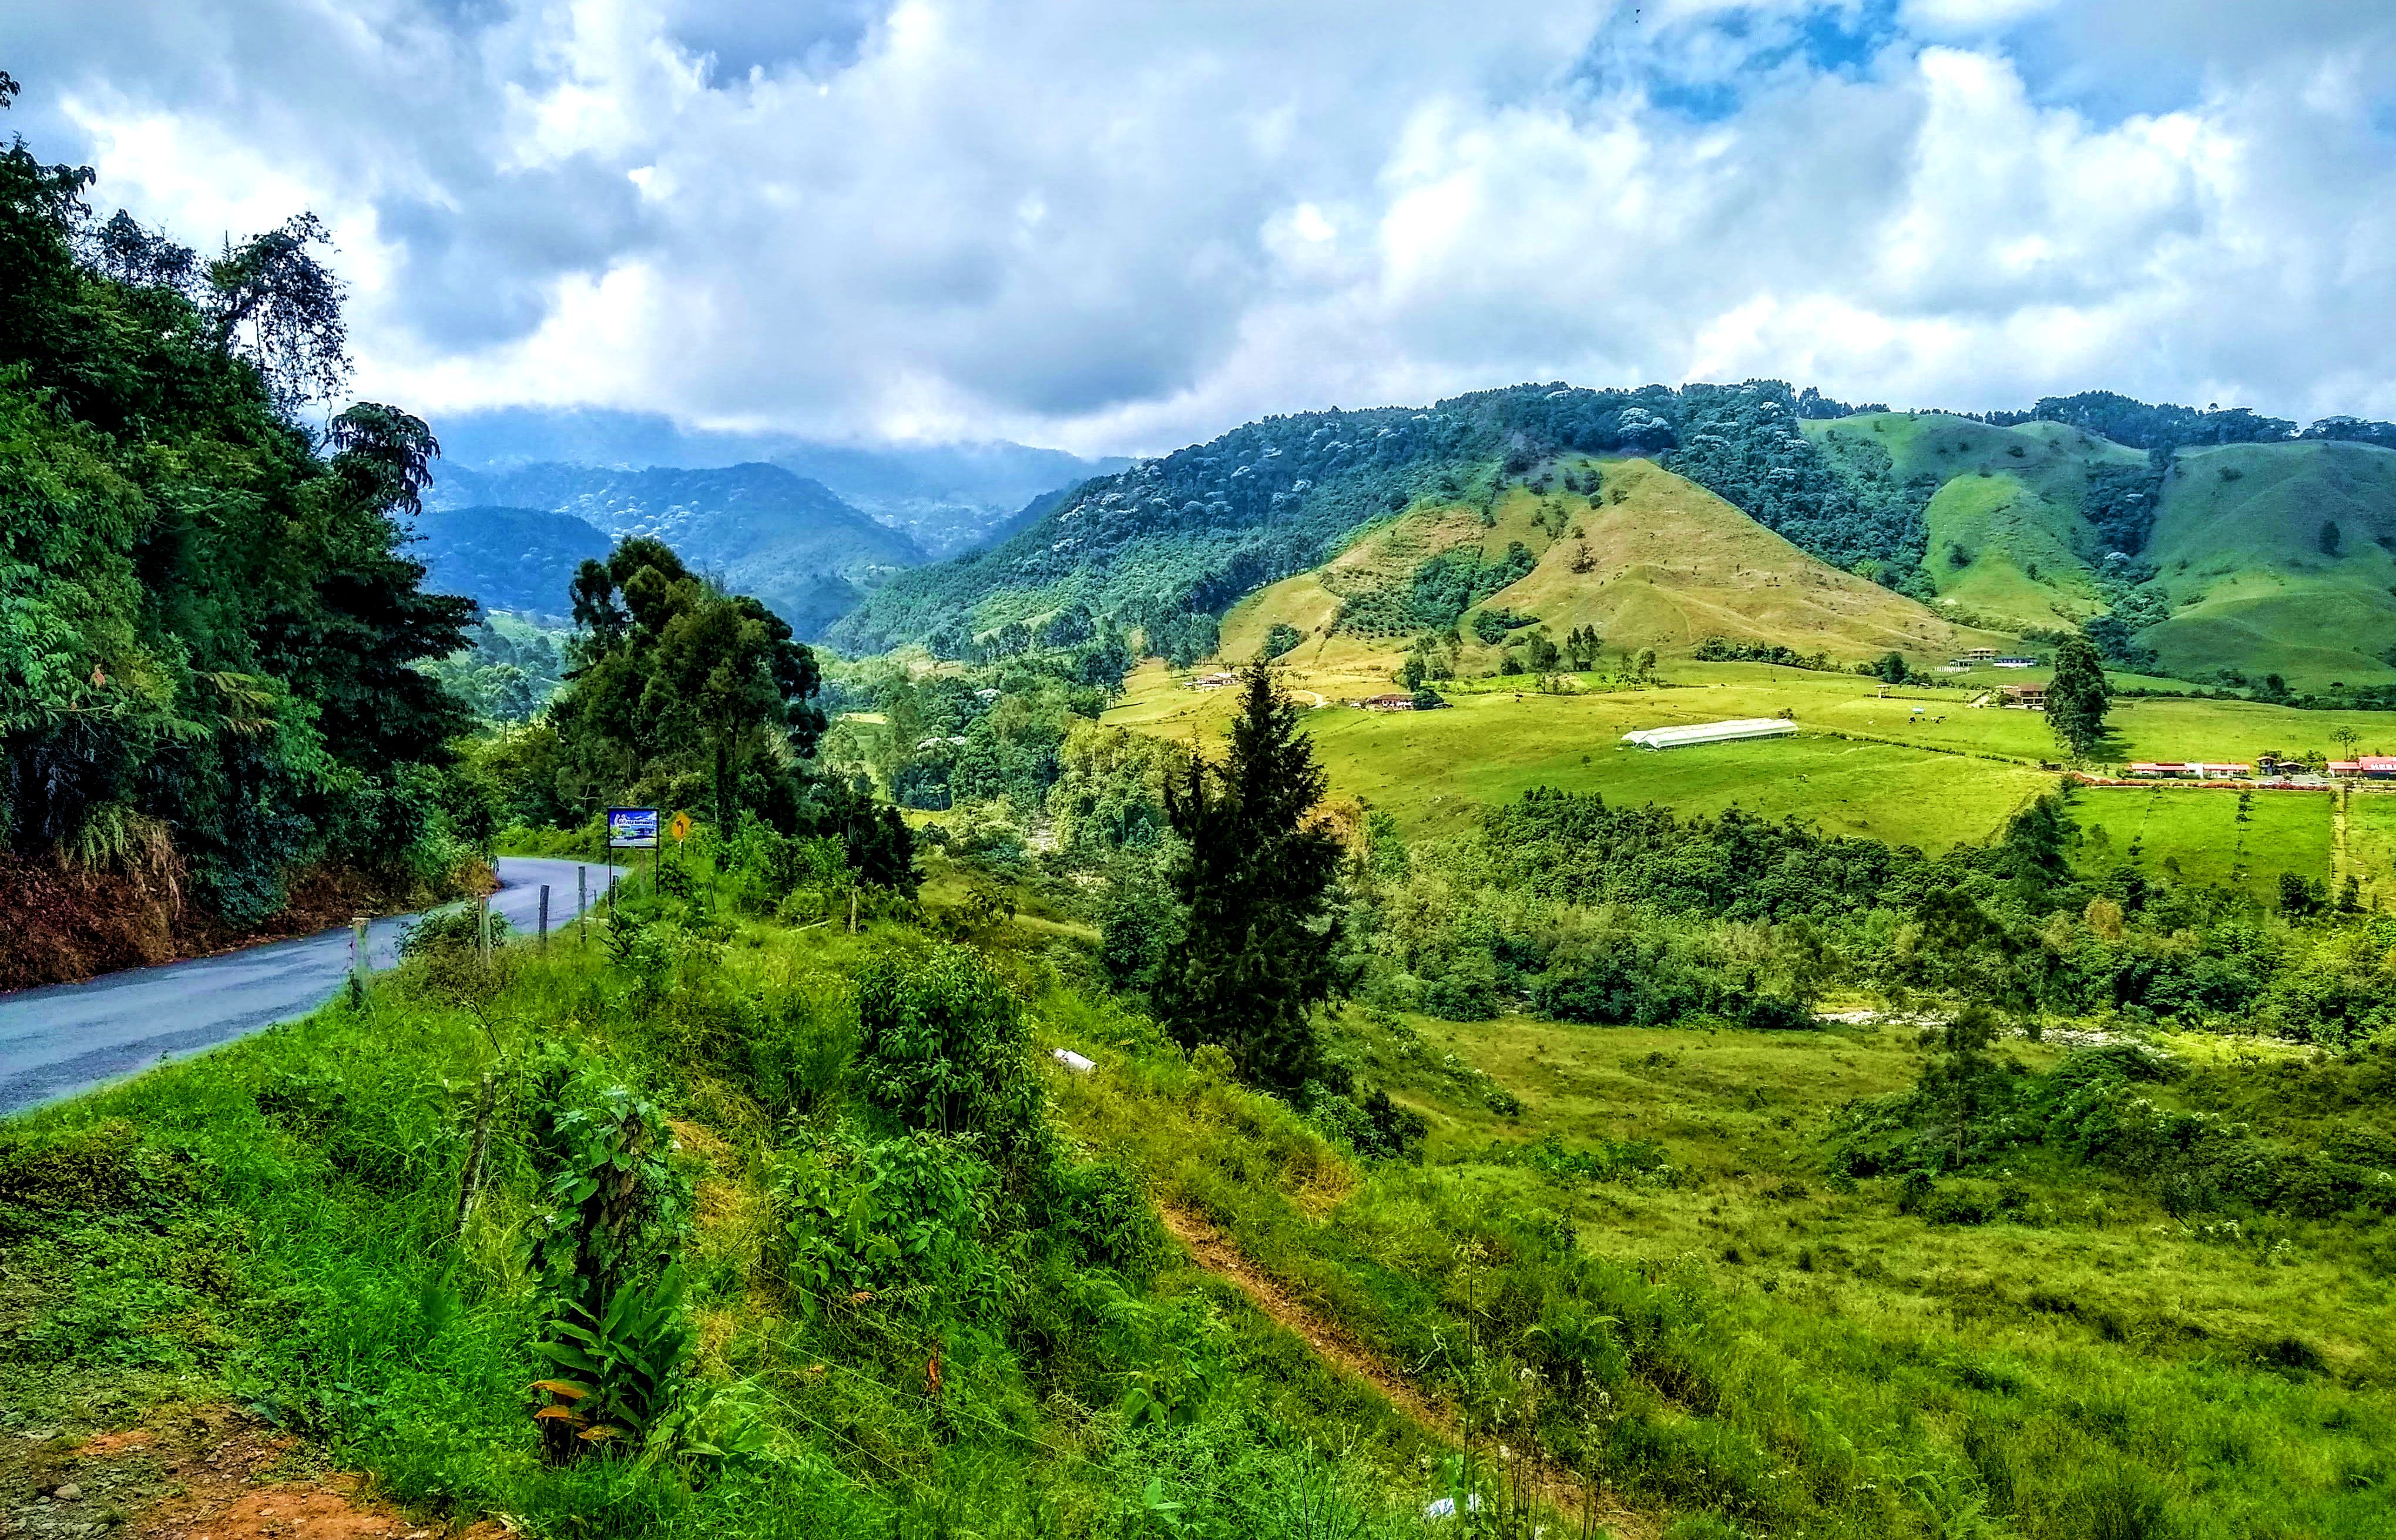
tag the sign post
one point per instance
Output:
(629, 829)
(581, 904)
(545, 917)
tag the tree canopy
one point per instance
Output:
(208, 621)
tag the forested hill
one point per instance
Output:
(2026, 522)
(208, 622)
(1171, 542)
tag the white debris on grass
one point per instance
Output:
(1073, 1060)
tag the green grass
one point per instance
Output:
(2193, 835)
(1952, 773)
(2371, 844)
(2018, 558)
(1811, 1359)
(2237, 546)
(274, 1226)
(1431, 769)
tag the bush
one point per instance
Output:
(942, 1048)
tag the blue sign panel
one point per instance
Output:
(632, 827)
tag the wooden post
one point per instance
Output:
(483, 928)
(581, 903)
(358, 963)
(545, 917)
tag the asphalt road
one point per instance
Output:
(66, 1038)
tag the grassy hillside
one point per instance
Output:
(1649, 560)
(2239, 548)
(1668, 564)
(2009, 530)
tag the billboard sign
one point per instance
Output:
(632, 827)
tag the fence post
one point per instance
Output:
(483, 928)
(545, 917)
(357, 959)
(581, 903)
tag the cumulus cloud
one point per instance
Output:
(1120, 229)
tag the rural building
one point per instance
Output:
(2377, 766)
(1213, 680)
(1976, 655)
(1388, 703)
(2017, 662)
(2027, 698)
(1711, 732)
(2188, 770)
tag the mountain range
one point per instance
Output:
(946, 497)
(2207, 545)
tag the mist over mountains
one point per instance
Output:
(944, 498)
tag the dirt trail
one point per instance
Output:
(1215, 1252)
(204, 1474)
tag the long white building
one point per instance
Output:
(1711, 732)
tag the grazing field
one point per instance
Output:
(1865, 762)
(2203, 836)
(2371, 844)
(2241, 543)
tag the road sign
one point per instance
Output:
(680, 828)
(632, 829)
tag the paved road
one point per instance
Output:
(66, 1038)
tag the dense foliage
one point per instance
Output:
(1841, 501)
(208, 620)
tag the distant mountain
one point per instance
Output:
(946, 497)
(518, 559)
(759, 528)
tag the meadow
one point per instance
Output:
(1811, 1357)
(2204, 836)
(1908, 764)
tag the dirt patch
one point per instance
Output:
(1560, 1489)
(210, 1474)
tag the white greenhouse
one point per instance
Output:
(1711, 732)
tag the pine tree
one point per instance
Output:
(2077, 697)
(1254, 882)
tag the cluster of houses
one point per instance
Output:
(2366, 767)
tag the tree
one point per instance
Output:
(2345, 739)
(1253, 881)
(1962, 1079)
(2329, 538)
(1890, 667)
(2078, 697)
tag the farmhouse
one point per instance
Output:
(1388, 703)
(2027, 698)
(1976, 655)
(1213, 680)
(2377, 766)
(2017, 662)
(1711, 732)
(2187, 770)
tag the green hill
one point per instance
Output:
(2013, 529)
(2276, 559)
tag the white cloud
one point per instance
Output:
(1068, 222)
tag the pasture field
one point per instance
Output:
(2371, 844)
(1864, 762)
(2187, 833)
(1847, 1368)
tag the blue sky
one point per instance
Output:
(1120, 228)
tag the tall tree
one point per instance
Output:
(1254, 882)
(2078, 697)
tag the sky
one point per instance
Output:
(1117, 227)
